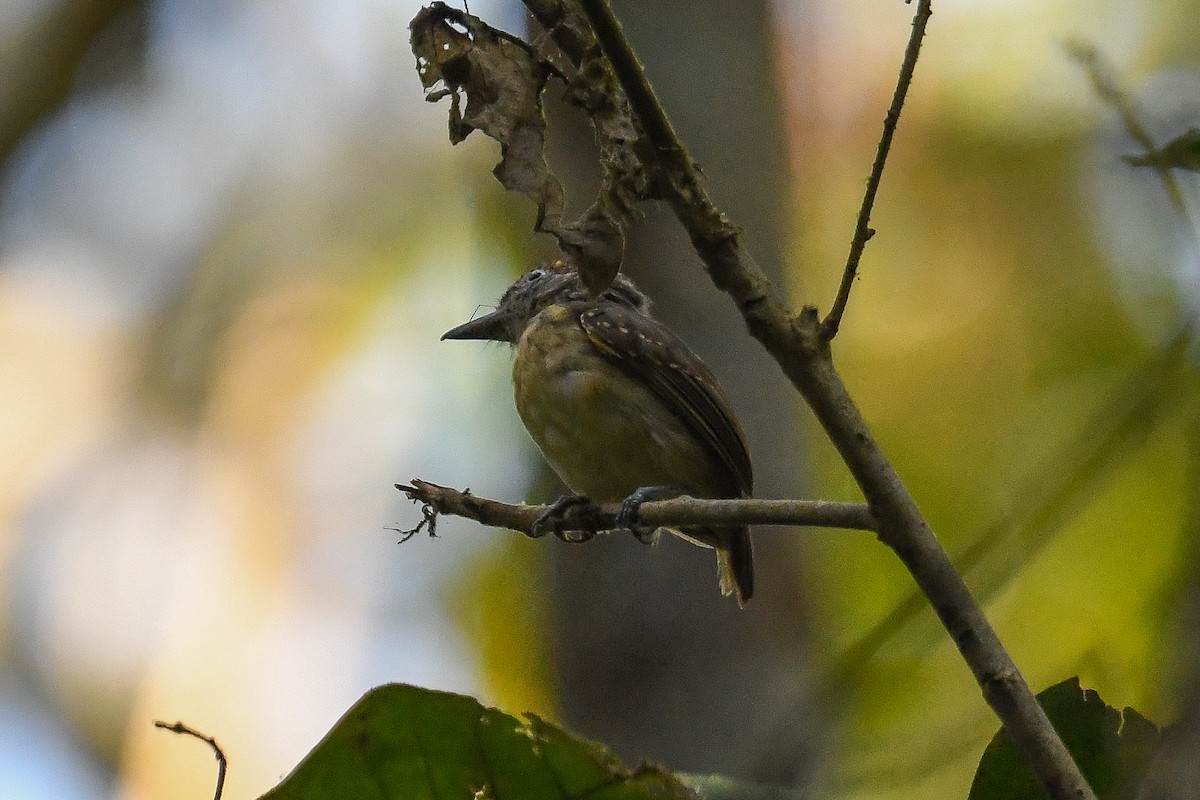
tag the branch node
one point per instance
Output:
(185, 730)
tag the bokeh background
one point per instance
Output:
(232, 233)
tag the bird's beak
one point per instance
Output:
(490, 327)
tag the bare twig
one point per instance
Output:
(862, 229)
(1105, 86)
(180, 728)
(676, 512)
(800, 346)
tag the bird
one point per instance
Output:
(619, 406)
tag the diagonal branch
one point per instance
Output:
(800, 346)
(1106, 88)
(862, 228)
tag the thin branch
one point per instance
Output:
(180, 728)
(800, 347)
(862, 229)
(676, 512)
(1105, 86)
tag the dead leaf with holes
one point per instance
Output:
(502, 80)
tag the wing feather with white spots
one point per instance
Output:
(657, 358)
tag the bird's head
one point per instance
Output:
(553, 284)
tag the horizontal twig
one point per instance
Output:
(675, 512)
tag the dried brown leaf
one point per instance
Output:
(502, 81)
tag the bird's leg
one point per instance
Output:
(631, 507)
(554, 517)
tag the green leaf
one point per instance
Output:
(1113, 748)
(406, 742)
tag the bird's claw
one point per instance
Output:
(628, 516)
(553, 520)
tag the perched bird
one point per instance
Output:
(618, 404)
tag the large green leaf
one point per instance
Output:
(406, 742)
(1113, 748)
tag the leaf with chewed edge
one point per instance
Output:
(1112, 748)
(400, 742)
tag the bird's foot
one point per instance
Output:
(554, 518)
(628, 516)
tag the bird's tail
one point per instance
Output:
(735, 563)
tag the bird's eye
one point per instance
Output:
(535, 274)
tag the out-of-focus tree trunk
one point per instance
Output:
(652, 659)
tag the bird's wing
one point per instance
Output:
(652, 355)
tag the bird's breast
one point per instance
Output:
(603, 433)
